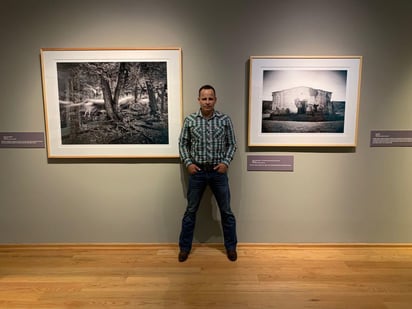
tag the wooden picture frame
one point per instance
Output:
(112, 103)
(304, 101)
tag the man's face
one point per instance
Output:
(207, 100)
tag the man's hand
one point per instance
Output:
(193, 169)
(221, 168)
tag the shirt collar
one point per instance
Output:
(215, 114)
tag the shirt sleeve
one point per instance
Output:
(184, 144)
(231, 145)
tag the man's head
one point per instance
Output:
(207, 100)
(207, 87)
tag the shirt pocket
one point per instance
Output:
(218, 133)
(197, 133)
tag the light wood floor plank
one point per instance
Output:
(330, 276)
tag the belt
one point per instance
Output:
(206, 167)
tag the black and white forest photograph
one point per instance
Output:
(113, 102)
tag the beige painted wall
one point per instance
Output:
(332, 196)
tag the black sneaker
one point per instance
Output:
(183, 255)
(232, 255)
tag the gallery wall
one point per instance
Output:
(359, 194)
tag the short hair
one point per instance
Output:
(207, 87)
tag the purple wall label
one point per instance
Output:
(391, 139)
(270, 163)
(22, 140)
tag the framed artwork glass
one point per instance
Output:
(115, 103)
(304, 101)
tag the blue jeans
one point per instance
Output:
(219, 185)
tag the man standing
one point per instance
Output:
(207, 145)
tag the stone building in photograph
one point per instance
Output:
(302, 100)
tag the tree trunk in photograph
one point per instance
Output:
(121, 80)
(152, 99)
(162, 100)
(73, 120)
(108, 102)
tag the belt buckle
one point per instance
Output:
(208, 167)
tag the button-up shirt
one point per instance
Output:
(207, 141)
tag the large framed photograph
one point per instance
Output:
(115, 103)
(304, 101)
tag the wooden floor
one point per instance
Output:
(149, 276)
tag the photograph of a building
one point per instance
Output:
(304, 108)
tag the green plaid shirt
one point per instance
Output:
(207, 141)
